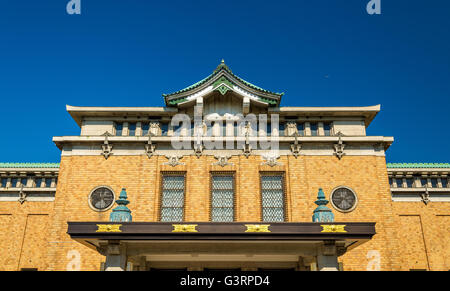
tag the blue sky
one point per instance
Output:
(320, 53)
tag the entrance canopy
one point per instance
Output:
(221, 245)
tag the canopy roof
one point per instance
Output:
(223, 80)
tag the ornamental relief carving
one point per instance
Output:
(174, 160)
(223, 160)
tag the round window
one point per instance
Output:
(343, 199)
(101, 198)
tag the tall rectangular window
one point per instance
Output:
(23, 182)
(410, 182)
(4, 182)
(164, 129)
(172, 197)
(145, 127)
(38, 182)
(119, 129)
(132, 129)
(434, 182)
(281, 130)
(222, 197)
(14, 182)
(314, 127)
(444, 182)
(48, 182)
(272, 197)
(399, 182)
(327, 128)
(424, 182)
(301, 129)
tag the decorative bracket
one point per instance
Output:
(106, 147)
(174, 160)
(339, 147)
(223, 160)
(296, 147)
(247, 150)
(22, 196)
(425, 196)
(150, 147)
(198, 148)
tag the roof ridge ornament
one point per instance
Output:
(222, 65)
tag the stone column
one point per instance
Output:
(116, 257)
(125, 131)
(320, 129)
(307, 129)
(139, 129)
(327, 259)
(143, 264)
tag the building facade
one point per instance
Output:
(223, 177)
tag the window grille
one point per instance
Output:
(172, 197)
(222, 197)
(272, 198)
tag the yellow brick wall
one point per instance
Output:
(424, 232)
(24, 235)
(397, 223)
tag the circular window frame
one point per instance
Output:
(107, 208)
(339, 209)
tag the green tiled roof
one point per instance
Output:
(29, 165)
(217, 70)
(418, 165)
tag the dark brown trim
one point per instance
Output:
(221, 231)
